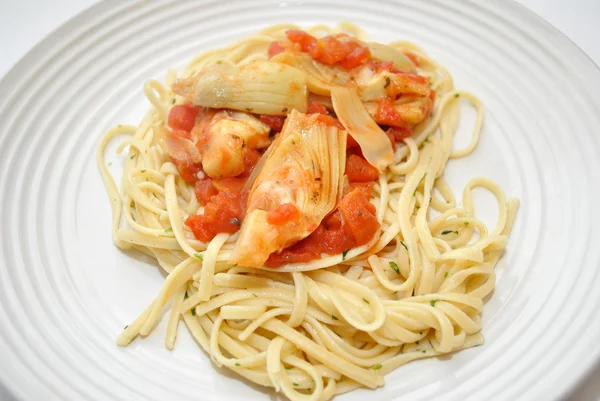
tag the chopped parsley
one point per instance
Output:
(387, 82)
(194, 311)
(377, 367)
(366, 300)
(466, 224)
(433, 301)
(395, 268)
(132, 204)
(344, 254)
(173, 101)
(186, 295)
(456, 95)
(237, 364)
(334, 317)
(288, 367)
(422, 178)
(445, 274)
(416, 342)
(199, 256)
(132, 157)
(404, 245)
(423, 350)
(125, 328)
(169, 230)
(449, 231)
(295, 384)
(255, 296)
(143, 171)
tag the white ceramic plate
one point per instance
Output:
(66, 291)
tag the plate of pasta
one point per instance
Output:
(285, 200)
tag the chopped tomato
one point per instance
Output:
(188, 170)
(274, 122)
(183, 117)
(359, 218)
(413, 57)
(352, 224)
(205, 190)
(391, 138)
(307, 42)
(222, 212)
(366, 188)
(351, 142)
(283, 213)
(379, 66)
(399, 133)
(357, 57)
(386, 113)
(330, 50)
(360, 170)
(275, 48)
(251, 157)
(331, 121)
(315, 107)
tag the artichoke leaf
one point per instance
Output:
(303, 167)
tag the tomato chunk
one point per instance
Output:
(399, 133)
(360, 170)
(274, 122)
(183, 117)
(283, 214)
(386, 113)
(331, 121)
(360, 222)
(315, 107)
(188, 170)
(307, 42)
(358, 56)
(275, 48)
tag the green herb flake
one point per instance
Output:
(433, 301)
(295, 384)
(109, 164)
(173, 101)
(219, 61)
(199, 256)
(466, 224)
(255, 296)
(132, 157)
(237, 364)
(288, 367)
(334, 317)
(387, 82)
(366, 300)
(186, 296)
(449, 231)
(404, 245)
(457, 95)
(344, 254)
(194, 311)
(423, 350)
(395, 268)
(416, 342)
(422, 178)
(169, 230)
(125, 328)
(445, 274)
(377, 367)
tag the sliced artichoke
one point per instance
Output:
(304, 167)
(374, 143)
(262, 87)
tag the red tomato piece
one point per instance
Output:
(188, 170)
(399, 133)
(359, 218)
(386, 113)
(360, 170)
(315, 107)
(351, 142)
(331, 121)
(357, 57)
(251, 157)
(330, 50)
(275, 48)
(413, 57)
(204, 191)
(306, 41)
(283, 214)
(183, 117)
(274, 122)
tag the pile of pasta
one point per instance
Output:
(416, 291)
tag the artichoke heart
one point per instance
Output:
(303, 170)
(320, 77)
(388, 53)
(373, 142)
(262, 87)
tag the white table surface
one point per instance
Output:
(25, 22)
